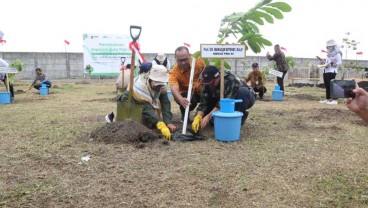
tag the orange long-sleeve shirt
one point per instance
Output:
(180, 77)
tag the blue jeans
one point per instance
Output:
(48, 85)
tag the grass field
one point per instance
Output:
(293, 153)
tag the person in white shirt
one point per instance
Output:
(161, 59)
(333, 61)
(3, 76)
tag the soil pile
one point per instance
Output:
(128, 132)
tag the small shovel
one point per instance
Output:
(129, 109)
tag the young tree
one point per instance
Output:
(243, 27)
(349, 46)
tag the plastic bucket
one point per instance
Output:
(43, 85)
(44, 90)
(277, 87)
(227, 126)
(277, 95)
(227, 105)
(4, 97)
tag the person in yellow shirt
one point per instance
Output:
(257, 80)
(179, 80)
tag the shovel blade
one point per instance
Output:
(128, 110)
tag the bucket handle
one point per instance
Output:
(238, 101)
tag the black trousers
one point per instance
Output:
(261, 91)
(280, 81)
(11, 88)
(327, 77)
(194, 100)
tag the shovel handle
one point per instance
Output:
(122, 59)
(238, 101)
(135, 27)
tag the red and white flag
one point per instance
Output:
(2, 41)
(66, 42)
(323, 51)
(359, 53)
(284, 49)
(187, 44)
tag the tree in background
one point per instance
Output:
(241, 27)
(349, 45)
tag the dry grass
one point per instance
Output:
(294, 153)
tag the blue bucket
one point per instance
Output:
(43, 85)
(277, 95)
(277, 87)
(44, 90)
(227, 105)
(4, 97)
(227, 126)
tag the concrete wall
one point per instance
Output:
(57, 67)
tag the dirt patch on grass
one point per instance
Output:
(325, 114)
(304, 97)
(127, 132)
(82, 82)
(113, 99)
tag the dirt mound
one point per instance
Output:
(128, 132)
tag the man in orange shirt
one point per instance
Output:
(179, 80)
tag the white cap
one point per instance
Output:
(159, 73)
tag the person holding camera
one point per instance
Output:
(333, 61)
(359, 104)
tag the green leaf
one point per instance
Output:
(264, 41)
(254, 46)
(221, 40)
(227, 65)
(252, 27)
(274, 12)
(266, 16)
(281, 6)
(233, 17)
(246, 37)
(256, 19)
(197, 54)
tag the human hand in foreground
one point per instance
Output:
(183, 102)
(196, 123)
(172, 127)
(164, 130)
(359, 104)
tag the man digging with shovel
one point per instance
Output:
(149, 90)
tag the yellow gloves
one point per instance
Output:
(164, 130)
(196, 123)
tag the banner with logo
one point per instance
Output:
(104, 53)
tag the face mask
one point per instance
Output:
(330, 48)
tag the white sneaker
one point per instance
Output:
(332, 102)
(323, 101)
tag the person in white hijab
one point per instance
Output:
(3, 76)
(333, 62)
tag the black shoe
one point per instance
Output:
(110, 118)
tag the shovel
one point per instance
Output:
(128, 109)
(121, 90)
